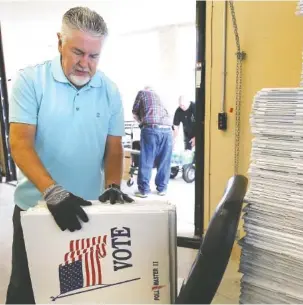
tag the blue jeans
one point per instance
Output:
(156, 151)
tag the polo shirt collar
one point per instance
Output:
(96, 80)
(59, 75)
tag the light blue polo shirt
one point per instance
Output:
(72, 127)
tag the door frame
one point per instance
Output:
(195, 241)
(9, 170)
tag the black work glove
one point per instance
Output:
(65, 208)
(113, 194)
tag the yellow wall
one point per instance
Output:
(271, 35)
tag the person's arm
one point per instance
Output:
(193, 141)
(113, 166)
(22, 141)
(23, 120)
(136, 107)
(113, 158)
(64, 206)
(176, 131)
(194, 109)
(113, 161)
(176, 123)
(137, 119)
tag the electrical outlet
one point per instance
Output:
(222, 121)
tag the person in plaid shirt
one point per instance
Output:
(156, 141)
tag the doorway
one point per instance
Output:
(184, 241)
(189, 239)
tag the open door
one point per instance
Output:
(7, 165)
(194, 242)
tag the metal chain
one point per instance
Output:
(240, 57)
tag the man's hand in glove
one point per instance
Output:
(113, 194)
(65, 208)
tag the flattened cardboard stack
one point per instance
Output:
(272, 259)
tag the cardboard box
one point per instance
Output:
(126, 165)
(124, 254)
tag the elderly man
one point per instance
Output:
(156, 141)
(66, 124)
(186, 114)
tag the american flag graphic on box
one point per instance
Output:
(82, 267)
(82, 264)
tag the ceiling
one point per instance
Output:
(122, 16)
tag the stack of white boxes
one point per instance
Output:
(272, 259)
(125, 254)
(299, 10)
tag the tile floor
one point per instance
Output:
(229, 289)
(181, 194)
(228, 292)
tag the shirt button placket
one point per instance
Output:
(76, 102)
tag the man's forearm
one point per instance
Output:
(113, 167)
(136, 117)
(176, 131)
(31, 166)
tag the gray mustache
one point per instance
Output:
(81, 70)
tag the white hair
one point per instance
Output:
(83, 19)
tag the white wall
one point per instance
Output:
(149, 42)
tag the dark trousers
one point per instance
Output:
(20, 289)
(187, 144)
(156, 150)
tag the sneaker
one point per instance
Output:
(141, 195)
(163, 193)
